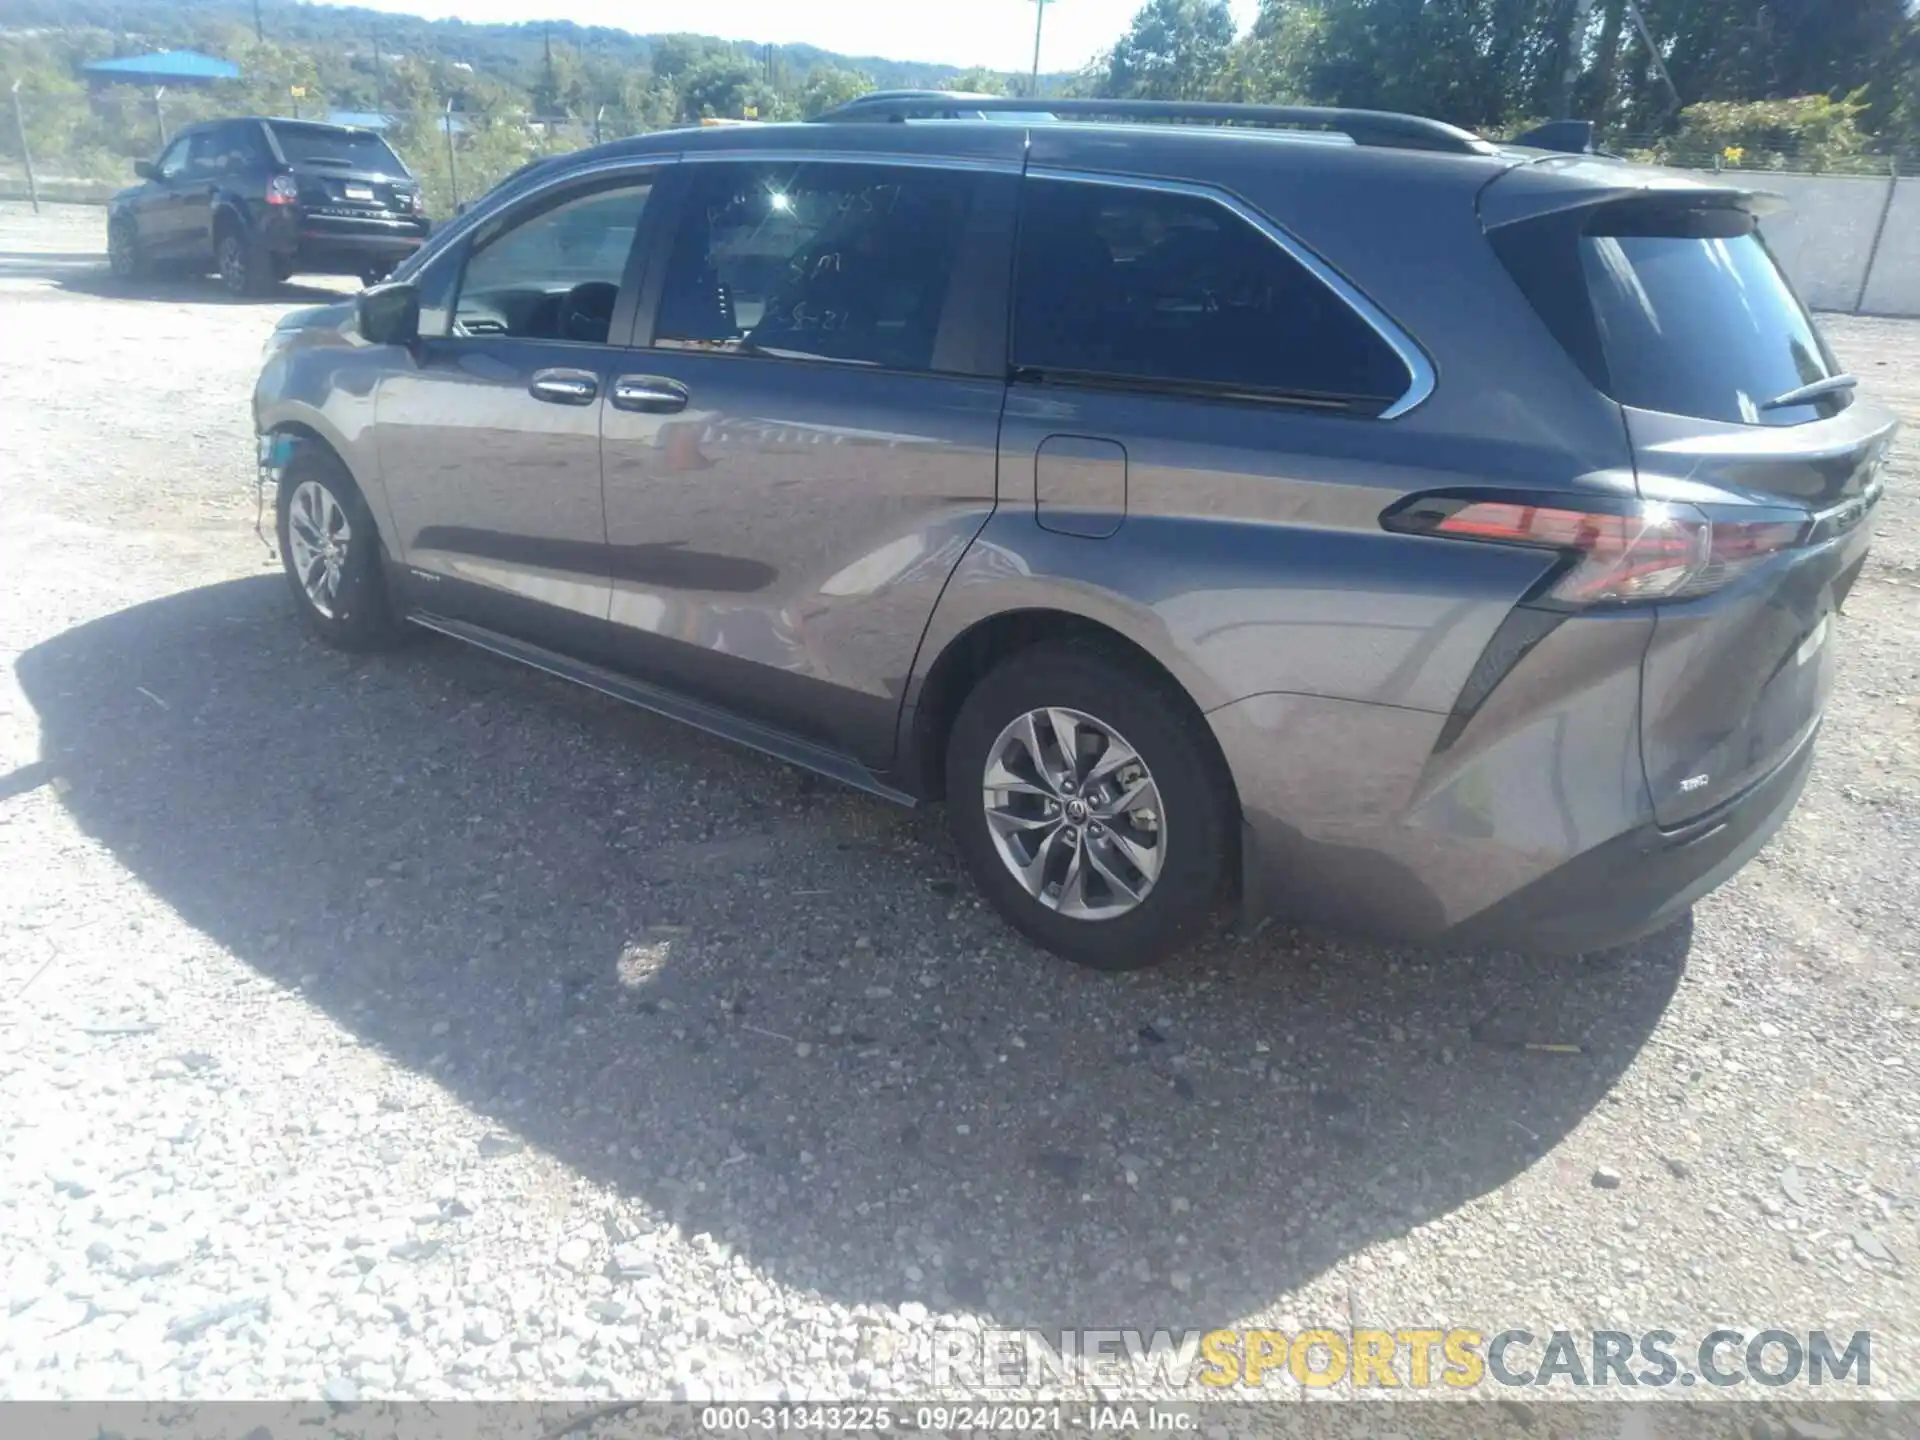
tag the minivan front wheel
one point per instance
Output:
(332, 553)
(1090, 806)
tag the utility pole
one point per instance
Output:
(453, 170)
(33, 187)
(379, 79)
(1039, 20)
(546, 40)
(1653, 52)
(259, 32)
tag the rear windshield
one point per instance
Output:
(1685, 311)
(339, 149)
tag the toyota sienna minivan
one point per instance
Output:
(1324, 513)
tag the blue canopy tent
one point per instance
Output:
(168, 67)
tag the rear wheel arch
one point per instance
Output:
(227, 219)
(225, 223)
(975, 651)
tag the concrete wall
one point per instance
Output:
(1894, 286)
(1825, 239)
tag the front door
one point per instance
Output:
(489, 440)
(797, 460)
(158, 216)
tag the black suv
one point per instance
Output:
(259, 200)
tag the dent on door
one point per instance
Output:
(1080, 485)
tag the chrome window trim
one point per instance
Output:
(1419, 368)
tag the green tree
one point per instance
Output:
(977, 82)
(1806, 132)
(828, 86)
(717, 87)
(1270, 64)
(1174, 50)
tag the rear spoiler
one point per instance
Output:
(1556, 184)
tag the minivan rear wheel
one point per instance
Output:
(1088, 802)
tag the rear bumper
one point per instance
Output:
(1528, 826)
(321, 245)
(1610, 894)
(1639, 882)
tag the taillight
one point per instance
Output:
(1623, 554)
(282, 190)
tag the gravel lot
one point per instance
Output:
(420, 1026)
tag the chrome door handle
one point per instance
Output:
(565, 387)
(650, 394)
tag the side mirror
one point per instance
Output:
(146, 169)
(389, 314)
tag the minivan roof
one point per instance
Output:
(1320, 165)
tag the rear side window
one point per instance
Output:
(832, 262)
(1704, 326)
(338, 149)
(236, 148)
(1161, 289)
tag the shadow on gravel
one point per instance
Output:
(766, 1007)
(173, 289)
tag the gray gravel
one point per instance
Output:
(422, 1026)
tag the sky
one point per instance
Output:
(994, 33)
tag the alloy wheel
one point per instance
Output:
(1074, 813)
(122, 259)
(233, 265)
(318, 535)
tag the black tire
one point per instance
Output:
(1195, 830)
(245, 268)
(125, 258)
(371, 278)
(358, 614)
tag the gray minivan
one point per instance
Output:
(1323, 512)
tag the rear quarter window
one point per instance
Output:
(1156, 288)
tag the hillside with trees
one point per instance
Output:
(1804, 83)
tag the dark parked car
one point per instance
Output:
(1365, 521)
(259, 200)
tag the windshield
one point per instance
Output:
(340, 149)
(1704, 325)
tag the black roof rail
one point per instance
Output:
(1363, 127)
